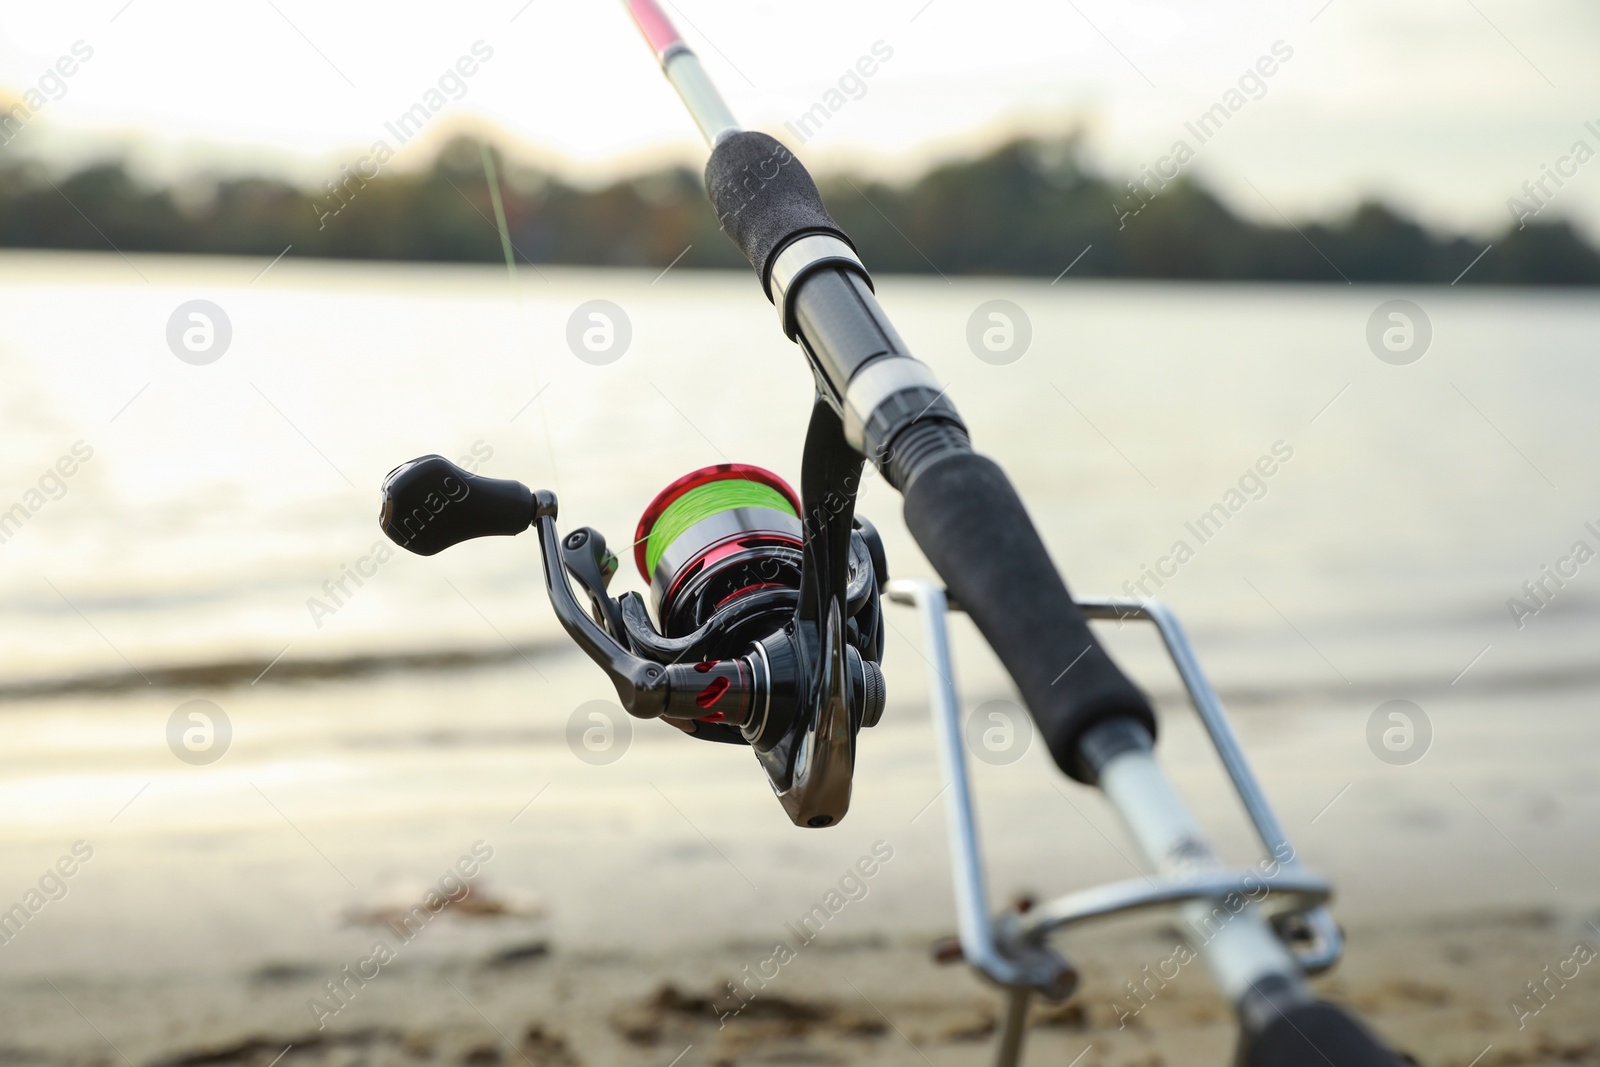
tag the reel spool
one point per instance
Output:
(713, 539)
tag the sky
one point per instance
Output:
(1443, 108)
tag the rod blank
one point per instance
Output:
(682, 68)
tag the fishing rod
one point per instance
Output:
(767, 627)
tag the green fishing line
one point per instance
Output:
(704, 501)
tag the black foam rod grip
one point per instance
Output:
(973, 528)
(764, 198)
(430, 504)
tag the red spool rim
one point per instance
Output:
(719, 472)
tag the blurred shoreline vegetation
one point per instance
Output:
(1026, 208)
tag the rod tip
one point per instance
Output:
(658, 30)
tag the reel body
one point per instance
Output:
(767, 627)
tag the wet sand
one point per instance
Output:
(620, 900)
(1436, 988)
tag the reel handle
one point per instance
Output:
(430, 504)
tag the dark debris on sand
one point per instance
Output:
(671, 1013)
(538, 1044)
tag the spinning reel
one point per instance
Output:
(768, 626)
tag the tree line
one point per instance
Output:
(1029, 207)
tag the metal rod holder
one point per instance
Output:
(1009, 949)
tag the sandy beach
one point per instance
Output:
(611, 909)
(1432, 988)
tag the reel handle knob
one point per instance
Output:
(430, 504)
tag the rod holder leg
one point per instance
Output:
(1015, 1028)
